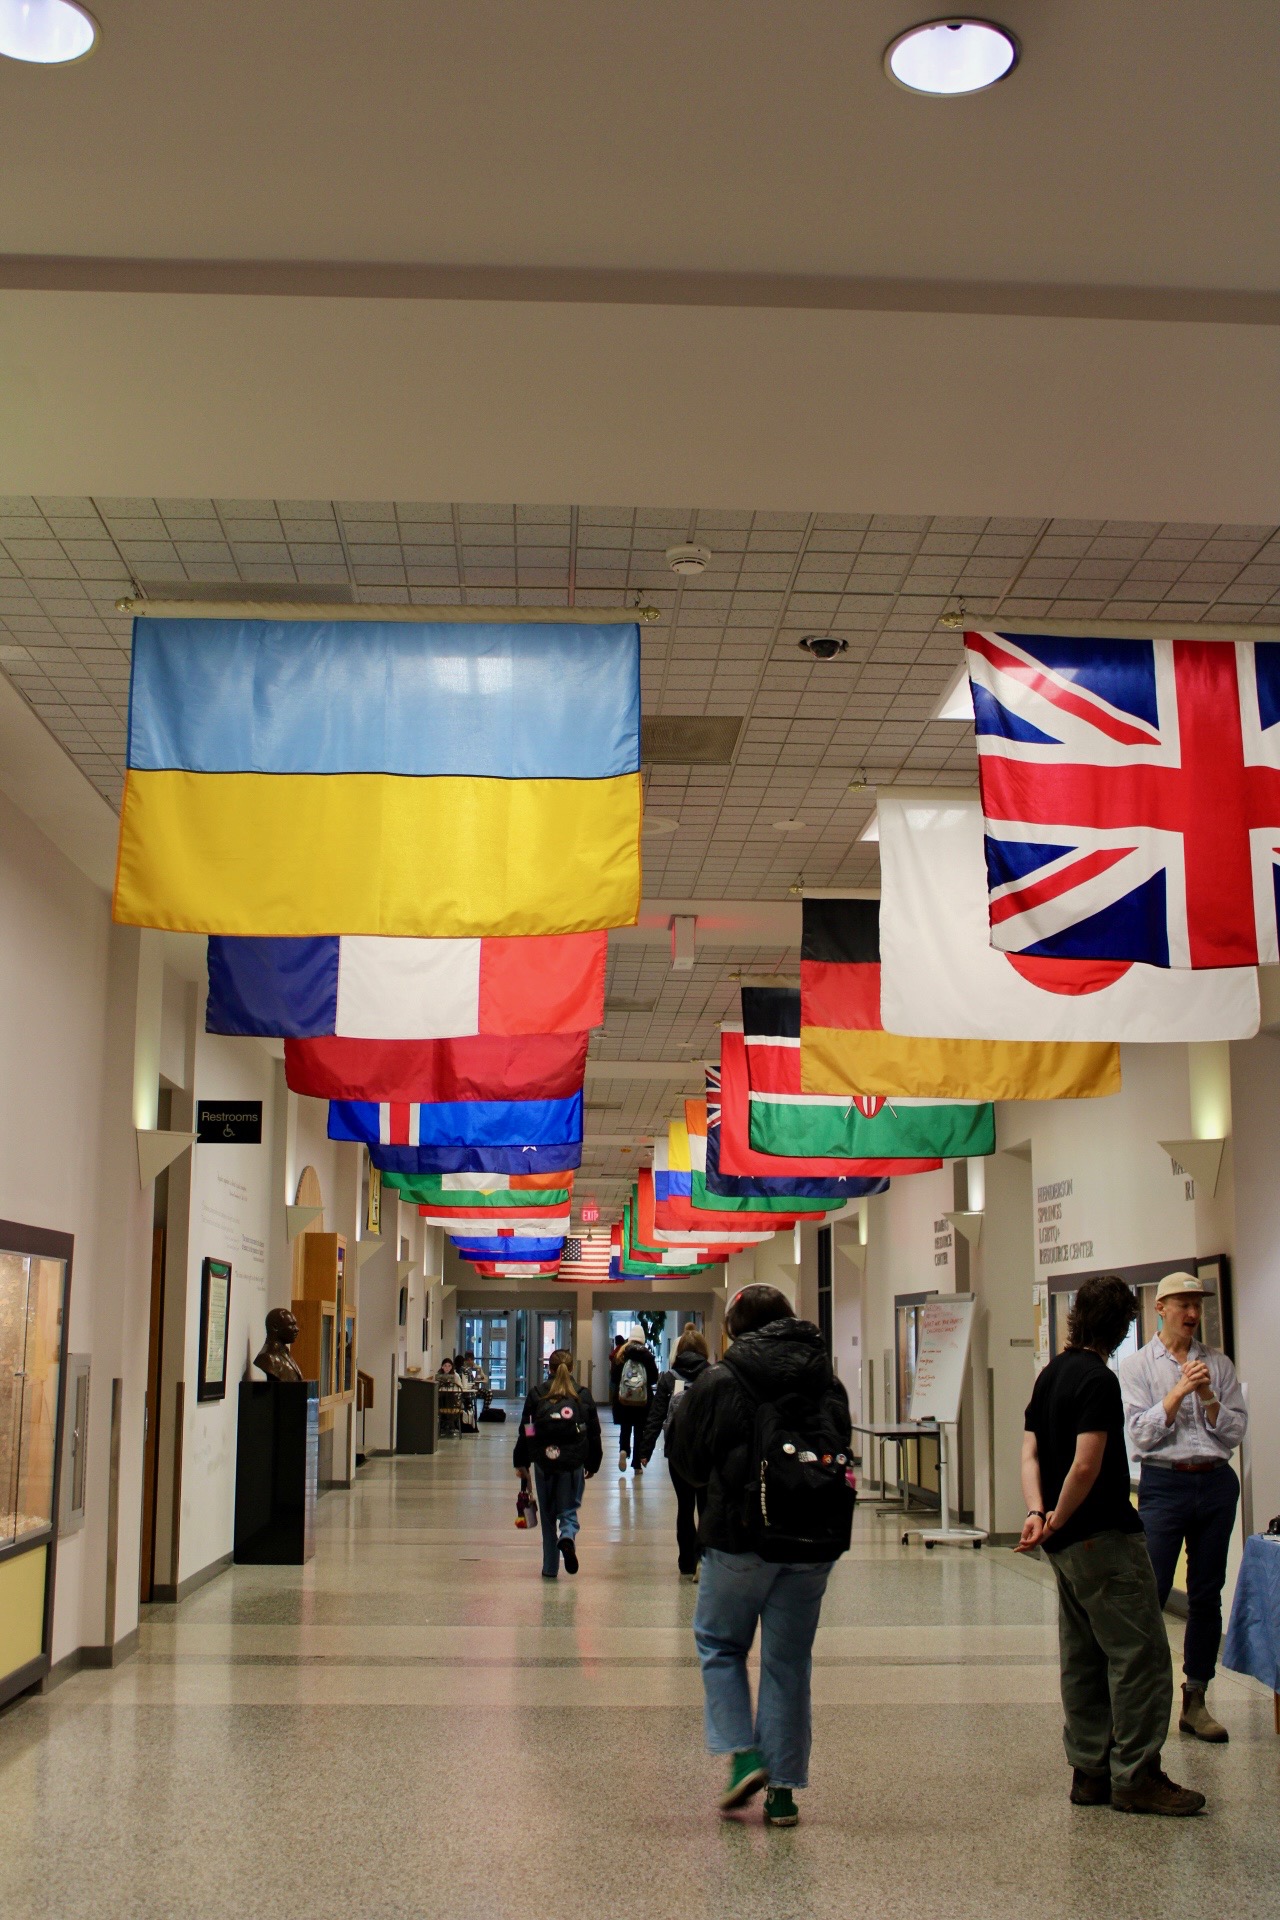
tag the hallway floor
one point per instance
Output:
(417, 1724)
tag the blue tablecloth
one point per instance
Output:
(1253, 1637)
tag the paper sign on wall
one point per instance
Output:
(942, 1356)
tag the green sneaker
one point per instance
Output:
(747, 1774)
(780, 1809)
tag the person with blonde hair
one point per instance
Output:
(692, 1357)
(558, 1442)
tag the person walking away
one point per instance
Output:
(636, 1381)
(1117, 1686)
(767, 1434)
(692, 1357)
(559, 1442)
(1185, 1415)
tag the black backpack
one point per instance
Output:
(799, 1497)
(560, 1432)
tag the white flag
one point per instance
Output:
(941, 976)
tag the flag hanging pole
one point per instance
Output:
(250, 609)
(1107, 629)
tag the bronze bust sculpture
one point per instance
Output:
(275, 1360)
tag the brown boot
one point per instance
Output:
(1196, 1717)
(1155, 1792)
(1090, 1789)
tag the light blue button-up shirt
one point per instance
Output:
(1148, 1375)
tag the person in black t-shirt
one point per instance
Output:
(1117, 1680)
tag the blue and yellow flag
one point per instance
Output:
(293, 778)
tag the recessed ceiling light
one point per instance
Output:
(688, 559)
(957, 54)
(46, 33)
(656, 823)
(957, 701)
(790, 826)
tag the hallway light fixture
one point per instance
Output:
(1202, 1159)
(46, 33)
(957, 702)
(158, 1148)
(951, 56)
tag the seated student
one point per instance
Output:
(558, 1439)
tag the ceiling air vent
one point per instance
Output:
(689, 740)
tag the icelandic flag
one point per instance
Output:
(367, 987)
(457, 1123)
(1131, 790)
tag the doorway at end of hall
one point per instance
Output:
(514, 1345)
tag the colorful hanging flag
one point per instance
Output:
(729, 1113)
(705, 1151)
(681, 1146)
(673, 1209)
(941, 973)
(541, 1066)
(785, 1119)
(513, 1269)
(430, 1190)
(520, 1223)
(1131, 790)
(586, 1259)
(657, 1262)
(845, 1050)
(503, 1249)
(557, 1156)
(365, 987)
(439, 780)
(456, 1123)
(676, 1225)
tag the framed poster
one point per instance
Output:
(215, 1312)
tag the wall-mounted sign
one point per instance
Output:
(229, 1123)
(590, 1213)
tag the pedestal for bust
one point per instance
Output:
(277, 1466)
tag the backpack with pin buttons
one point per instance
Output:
(799, 1496)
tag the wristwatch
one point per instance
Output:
(1035, 1513)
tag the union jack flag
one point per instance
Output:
(1131, 790)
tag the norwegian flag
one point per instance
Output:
(1131, 790)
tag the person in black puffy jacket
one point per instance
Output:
(558, 1442)
(775, 1355)
(691, 1359)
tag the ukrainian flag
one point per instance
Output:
(298, 778)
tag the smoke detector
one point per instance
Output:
(688, 559)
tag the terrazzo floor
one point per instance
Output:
(416, 1724)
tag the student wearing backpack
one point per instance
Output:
(767, 1434)
(558, 1440)
(692, 1358)
(635, 1378)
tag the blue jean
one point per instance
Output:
(559, 1497)
(1199, 1508)
(737, 1591)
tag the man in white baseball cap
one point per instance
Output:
(1185, 1415)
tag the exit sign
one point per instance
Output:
(590, 1213)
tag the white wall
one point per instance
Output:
(1255, 1079)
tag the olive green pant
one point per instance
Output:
(1117, 1677)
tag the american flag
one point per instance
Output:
(585, 1260)
(1131, 790)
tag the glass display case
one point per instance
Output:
(31, 1290)
(35, 1273)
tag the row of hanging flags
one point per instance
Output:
(406, 843)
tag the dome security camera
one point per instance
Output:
(824, 646)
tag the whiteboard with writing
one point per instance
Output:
(946, 1323)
